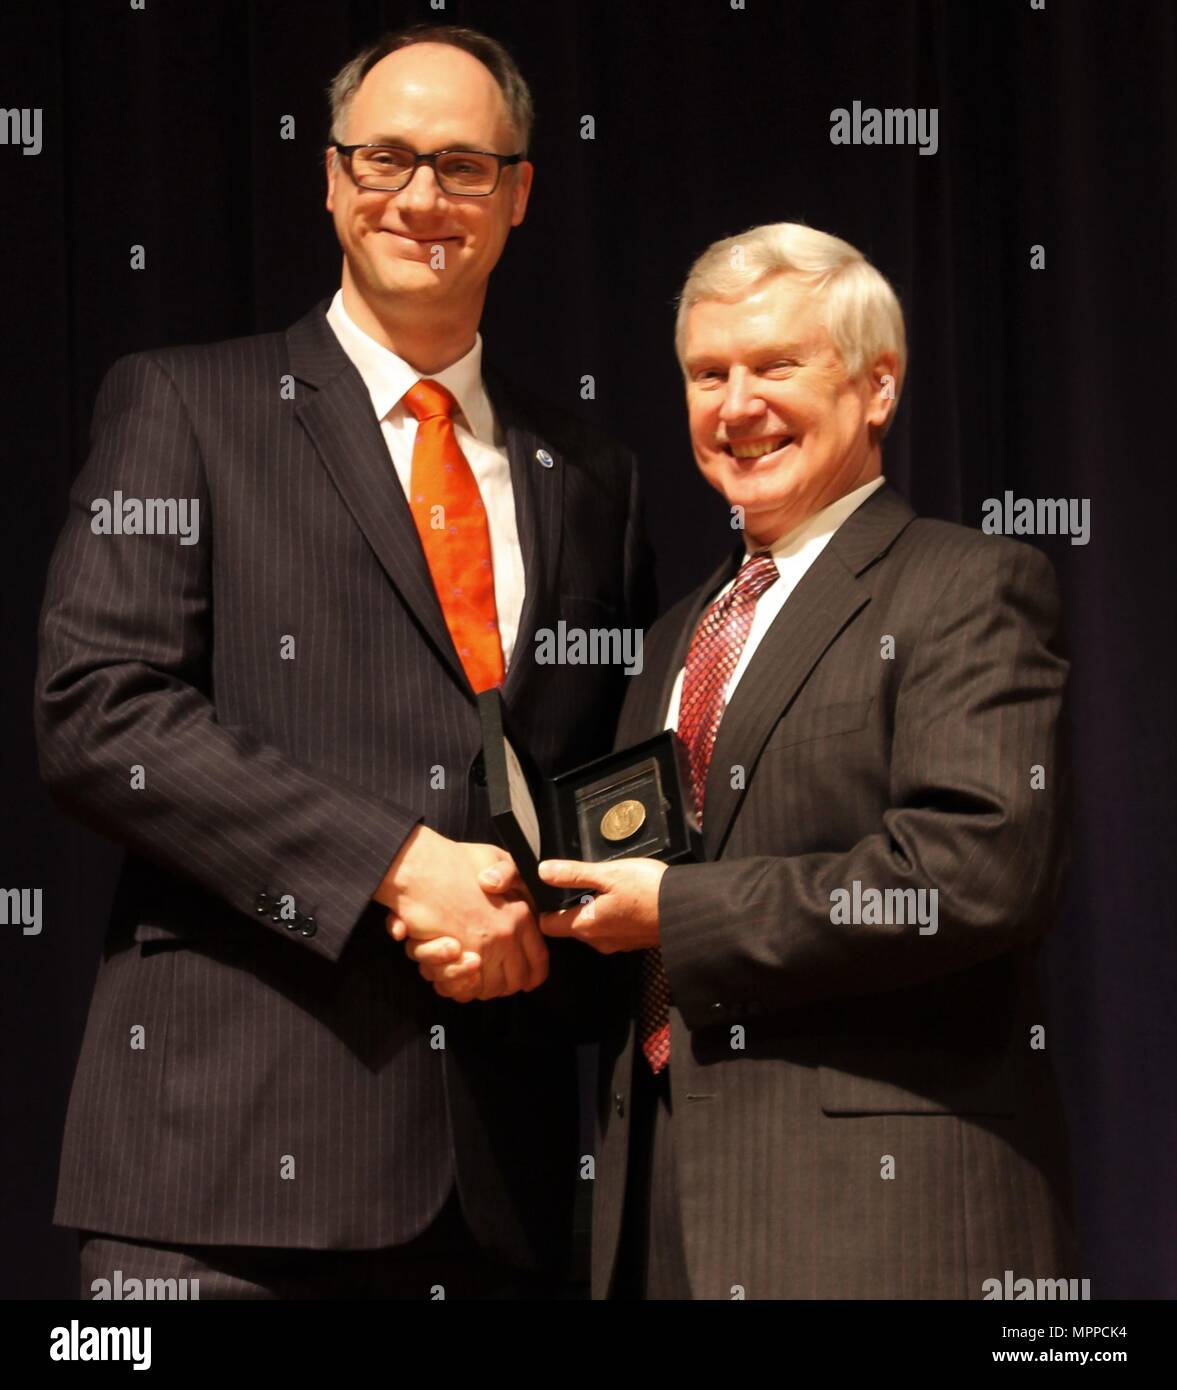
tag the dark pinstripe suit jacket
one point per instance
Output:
(805, 1052)
(293, 1088)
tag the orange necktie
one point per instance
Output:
(451, 521)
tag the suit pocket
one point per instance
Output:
(149, 933)
(822, 721)
(925, 1081)
(196, 918)
(158, 906)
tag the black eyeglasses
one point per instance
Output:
(389, 168)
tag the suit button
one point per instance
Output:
(309, 926)
(716, 1008)
(619, 1104)
(262, 902)
(478, 772)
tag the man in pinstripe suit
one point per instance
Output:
(827, 1077)
(279, 724)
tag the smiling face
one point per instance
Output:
(776, 423)
(427, 97)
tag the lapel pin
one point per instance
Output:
(545, 458)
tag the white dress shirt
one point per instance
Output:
(793, 553)
(387, 378)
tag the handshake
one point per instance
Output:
(467, 919)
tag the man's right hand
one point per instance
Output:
(432, 891)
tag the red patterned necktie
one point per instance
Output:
(443, 488)
(712, 659)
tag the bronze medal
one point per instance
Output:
(623, 820)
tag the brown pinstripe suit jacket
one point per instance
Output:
(811, 1058)
(292, 1090)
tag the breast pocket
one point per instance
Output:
(923, 1081)
(819, 721)
(588, 608)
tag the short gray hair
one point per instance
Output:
(865, 318)
(489, 52)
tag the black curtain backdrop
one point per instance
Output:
(1057, 127)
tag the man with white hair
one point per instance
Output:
(828, 1075)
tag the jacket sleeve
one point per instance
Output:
(978, 707)
(127, 734)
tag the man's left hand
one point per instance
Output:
(623, 916)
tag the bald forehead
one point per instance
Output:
(433, 90)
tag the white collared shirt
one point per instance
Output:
(387, 378)
(793, 553)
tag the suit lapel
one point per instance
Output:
(829, 595)
(338, 418)
(644, 711)
(817, 610)
(539, 501)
